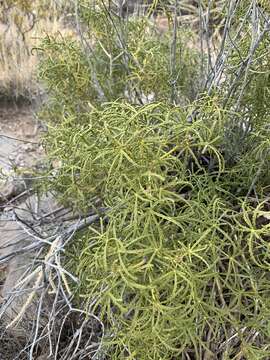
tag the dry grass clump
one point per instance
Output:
(22, 25)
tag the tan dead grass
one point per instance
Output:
(18, 59)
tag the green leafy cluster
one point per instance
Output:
(67, 71)
(180, 253)
(132, 66)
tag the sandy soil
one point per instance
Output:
(19, 138)
(20, 149)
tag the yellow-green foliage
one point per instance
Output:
(180, 252)
(178, 266)
(67, 70)
(110, 68)
(138, 145)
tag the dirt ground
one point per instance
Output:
(19, 137)
(20, 149)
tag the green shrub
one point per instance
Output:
(111, 67)
(179, 265)
(181, 253)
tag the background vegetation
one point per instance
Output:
(22, 26)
